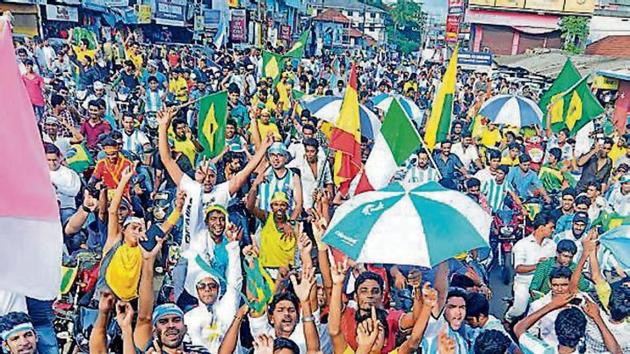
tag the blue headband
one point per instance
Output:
(26, 326)
(278, 148)
(166, 310)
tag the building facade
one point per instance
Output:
(367, 19)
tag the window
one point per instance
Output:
(355, 14)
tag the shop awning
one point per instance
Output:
(521, 21)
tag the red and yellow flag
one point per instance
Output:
(346, 137)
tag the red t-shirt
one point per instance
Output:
(349, 328)
(35, 88)
(92, 132)
(110, 173)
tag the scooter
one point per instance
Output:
(506, 230)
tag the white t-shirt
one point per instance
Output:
(195, 230)
(466, 155)
(527, 252)
(67, 185)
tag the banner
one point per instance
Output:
(481, 61)
(605, 83)
(452, 28)
(211, 18)
(511, 3)
(199, 23)
(144, 13)
(285, 33)
(455, 7)
(580, 6)
(62, 13)
(170, 12)
(238, 26)
(548, 5)
(116, 3)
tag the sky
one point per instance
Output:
(436, 7)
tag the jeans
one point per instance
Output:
(42, 316)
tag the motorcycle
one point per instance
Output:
(506, 230)
(79, 281)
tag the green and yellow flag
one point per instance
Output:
(273, 64)
(80, 33)
(572, 103)
(439, 123)
(79, 158)
(297, 50)
(211, 127)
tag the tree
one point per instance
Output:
(574, 32)
(407, 21)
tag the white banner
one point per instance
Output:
(62, 13)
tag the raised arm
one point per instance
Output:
(334, 316)
(250, 203)
(143, 332)
(76, 221)
(303, 291)
(164, 118)
(113, 228)
(429, 299)
(441, 285)
(124, 318)
(557, 302)
(240, 178)
(584, 158)
(592, 311)
(231, 336)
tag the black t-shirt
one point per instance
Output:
(182, 161)
(129, 80)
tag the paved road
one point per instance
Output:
(499, 291)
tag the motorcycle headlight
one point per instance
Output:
(507, 230)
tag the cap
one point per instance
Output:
(215, 207)
(166, 310)
(51, 120)
(280, 196)
(580, 216)
(625, 178)
(152, 62)
(98, 85)
(133, 219)
(278, 148)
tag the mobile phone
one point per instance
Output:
(577, 301)
(153, 232)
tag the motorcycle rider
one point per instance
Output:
(578, 228)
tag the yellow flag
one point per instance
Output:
(557, 108)
(210, 126)
(272, 69)
(575, 110)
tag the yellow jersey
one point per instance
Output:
(275, 251)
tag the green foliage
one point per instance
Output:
(574, 31)
(407, 20)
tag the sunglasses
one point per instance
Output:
(209, 286)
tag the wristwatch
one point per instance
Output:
(308, 319)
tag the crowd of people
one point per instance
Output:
(234, 243)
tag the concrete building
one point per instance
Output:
(510, 27)
(365, 18)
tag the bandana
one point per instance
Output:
(166, 310)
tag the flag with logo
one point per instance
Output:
(80, 33)
(396, 141)
(439, 122)
(572, 103)
(79, 158)
(272, 65)
(30, 229)
(346, 137)
(297, 50)
(211, 127)
(554, 180)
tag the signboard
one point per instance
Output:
(285, 33)
(474, 58)
(144, 13)
(117, 3)
(62, 13)
(452, 28)
(580, 6)
(545, 5)
(170, 12)
(199, 23)
(605, 83)
(481, 2)
(455, 7)
(238, 26)
(511, 3)
(70, 2)
(211, 18)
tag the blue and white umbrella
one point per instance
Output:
(383, 100)
(615, 248)
(328, 108)
(512, 110)
(421, 226)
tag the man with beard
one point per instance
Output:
(314, 170)
(578, 228)
(17, 334)
(184, 141)
(169, 331)
(276, 238)
(448, 164)
(52, 134)
(218, 299)
(202, 192)
(421, 172)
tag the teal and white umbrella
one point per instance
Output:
(422, 226)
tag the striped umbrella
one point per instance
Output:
(615, 248)
(383, 100)
(328, 108)
(397, 225)
(512, 110)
